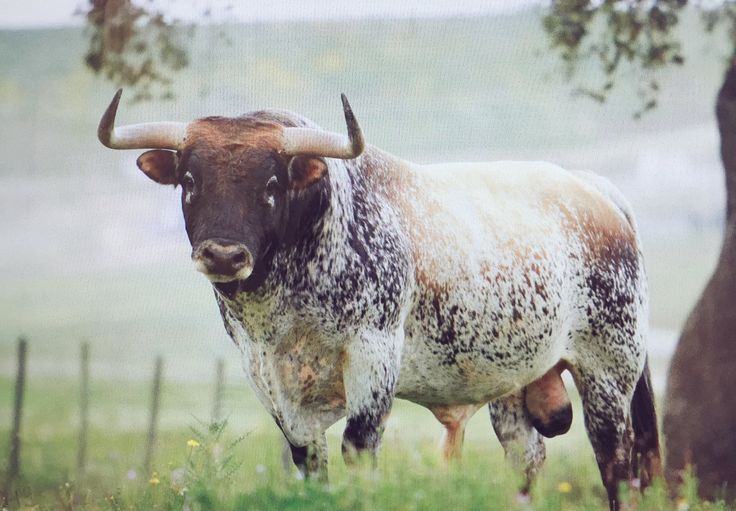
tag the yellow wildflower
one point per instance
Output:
(192, 443)
(564, 487)
(154, 480)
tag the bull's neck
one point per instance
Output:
(299, 276)
(355, 185)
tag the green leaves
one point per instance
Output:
(635, 37)
(135, 47)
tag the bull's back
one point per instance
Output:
(500, 253)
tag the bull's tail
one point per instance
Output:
(646, 458)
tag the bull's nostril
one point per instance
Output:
(223, 260)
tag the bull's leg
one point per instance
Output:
(454, 419)
(606, 406)
(523, 445)
(370, 372)
(311, 460)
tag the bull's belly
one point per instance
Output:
(454, 363)
(429, 379)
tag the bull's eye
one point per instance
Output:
(271, 187)
(187, 183)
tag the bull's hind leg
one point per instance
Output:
(606, 399)
(454, 419)
(610, 357)
(523, 444)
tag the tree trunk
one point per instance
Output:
(700, 403)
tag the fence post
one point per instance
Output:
(155, 401)
(219, 391)
(14, 461)
(83, 407)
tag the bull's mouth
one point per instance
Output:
(219, 278)
(228, 289)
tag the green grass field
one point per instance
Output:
(240, 468)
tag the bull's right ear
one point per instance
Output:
(159, 165)
(304, 171)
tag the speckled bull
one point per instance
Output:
(348, 277)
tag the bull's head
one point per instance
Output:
(243, 179)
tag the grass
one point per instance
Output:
(238, 467)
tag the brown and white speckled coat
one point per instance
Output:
(451, 285)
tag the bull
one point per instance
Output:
(348, 277)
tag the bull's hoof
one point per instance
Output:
(558, 422)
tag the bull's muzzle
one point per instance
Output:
(223, 260)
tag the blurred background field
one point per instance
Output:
(90, 249)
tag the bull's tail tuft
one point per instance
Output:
(646, 458)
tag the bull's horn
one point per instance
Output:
(150, 135)
(312, 142)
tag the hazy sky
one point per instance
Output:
(41, 13)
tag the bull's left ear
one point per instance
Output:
(304, 171)
(159, 165)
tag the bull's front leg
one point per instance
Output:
(311, 460)
(370, 373)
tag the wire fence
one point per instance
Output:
(14, 464)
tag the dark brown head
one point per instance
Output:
(245, 181)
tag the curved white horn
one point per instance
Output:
(150, 135)
(313, 142)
